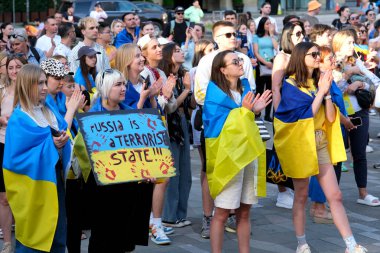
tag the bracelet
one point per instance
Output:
(327, 97)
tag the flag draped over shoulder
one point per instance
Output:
(294, 137)
(232, 139)
(30, 158)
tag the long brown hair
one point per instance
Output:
(166, 64)
(87, 70)
(297, 65)
(218, 77)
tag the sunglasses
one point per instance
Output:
(108, 71)
(236, 62)
(179, 13)
(228, 35)
(315, 54)
(298, 34)
(15, 36)
(354, 18)
(363, 31)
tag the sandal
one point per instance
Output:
(326, 218)
(369, 201)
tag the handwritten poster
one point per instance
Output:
(126, 146)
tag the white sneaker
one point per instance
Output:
(372, 112)
(285, 200)
(368, 149)
(158, 236)
(303, 249)
(358, 249)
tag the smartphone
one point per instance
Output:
(147, 82)
(55, 132)
(87, 96)
(356, 121)
(192, 24)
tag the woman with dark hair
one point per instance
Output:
(178, 189)
(230, 104)
(308, 113)
(6, 29)
(86, 73)
(264, 46)
(344, 15)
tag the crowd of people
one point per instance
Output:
(314, 83)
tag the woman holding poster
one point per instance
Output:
(119, 207)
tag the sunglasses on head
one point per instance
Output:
(108, 71)
(314, 54)
(298, 34)
(228, 35)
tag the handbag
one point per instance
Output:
(265, 135)
(365, 98)
(264, 70)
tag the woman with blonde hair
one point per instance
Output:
(38, 164)
(12, 66)
(140, 93)
(117, 26)
(343, 47)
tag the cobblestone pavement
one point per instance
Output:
(272, 229)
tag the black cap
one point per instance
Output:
(179, 9)
(86, 50)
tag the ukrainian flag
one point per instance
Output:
(294, 137)
(29, 164)
(232, 139)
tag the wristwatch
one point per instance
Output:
(327, 97)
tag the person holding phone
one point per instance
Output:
(193, 34)
(141, 93)
(343, 48)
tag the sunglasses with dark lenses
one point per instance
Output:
(298, 34)
(236, 62)
(108, 71)
(15, 36)
(354, 18)
(315, 54)
(179, 13)
(228, 35)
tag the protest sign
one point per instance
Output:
(126, 146)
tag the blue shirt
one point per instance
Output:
(32, 59)
(125, 37)
(189, 54)
(79, 79)
(265, 46)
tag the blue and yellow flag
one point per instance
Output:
(294, 137)
(30, 158)
(232, 140)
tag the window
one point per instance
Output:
(109, 6)
(126, 6)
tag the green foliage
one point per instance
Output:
(168, 3)
(237, 2)
(20, 5)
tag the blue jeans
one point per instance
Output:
(59, 241)
(178, 189)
